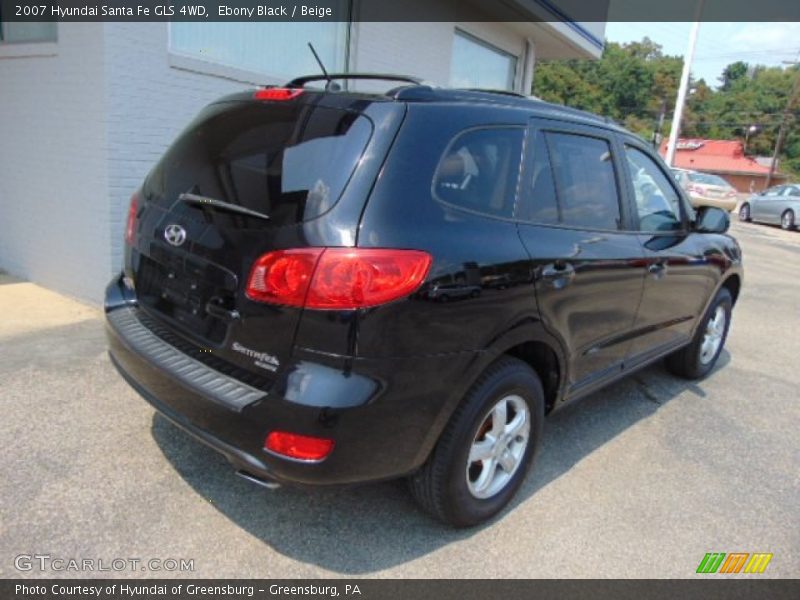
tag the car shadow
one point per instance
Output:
(362, 529)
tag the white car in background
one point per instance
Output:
(705, 189)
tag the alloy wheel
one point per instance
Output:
(712, 340)
(499, 446)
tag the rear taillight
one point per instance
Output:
(283, 276)
(130, 226)
(337, 278)
(300, 447)
(277, 93)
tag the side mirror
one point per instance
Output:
(711, 219)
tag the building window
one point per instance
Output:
(277, 50)
(477, 64)
(27, 33)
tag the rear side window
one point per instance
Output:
(586, 186)
(479, 170)
(291, 161)
(538, 201)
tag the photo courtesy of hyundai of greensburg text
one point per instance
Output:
(383, 300)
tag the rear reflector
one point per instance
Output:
(277, 93)
(301, 447)
(337, 278)
(130, 227)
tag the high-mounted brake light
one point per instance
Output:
(277, 93)
(300, 447)
(337, 278)
(130, 227)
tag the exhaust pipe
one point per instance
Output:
(266, 483)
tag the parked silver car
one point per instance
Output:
(778, 205)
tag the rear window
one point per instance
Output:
(707, 179)
(289, 161)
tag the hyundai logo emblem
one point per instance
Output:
(174, 234)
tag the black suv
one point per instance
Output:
(332, 287)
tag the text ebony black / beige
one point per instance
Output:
(333, 287)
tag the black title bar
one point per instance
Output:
(399, 10)
(709, 588)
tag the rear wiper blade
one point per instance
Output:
(219, 204)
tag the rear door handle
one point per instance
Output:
(558, 274)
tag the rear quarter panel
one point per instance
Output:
(481, 254)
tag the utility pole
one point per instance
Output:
(684, 86)
(657, 137)
(787, 112)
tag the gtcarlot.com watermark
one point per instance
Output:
(48, 563)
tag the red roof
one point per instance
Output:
(715, 156)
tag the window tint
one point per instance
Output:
(479, 170)
(291, 161)
(657, 202)
(585, 182)
(538, 195)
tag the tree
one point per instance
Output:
(732, 73)
(633, 82)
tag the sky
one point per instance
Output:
(718, 44)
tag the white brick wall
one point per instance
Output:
(149, 103)
(53, 174)
(78, 133)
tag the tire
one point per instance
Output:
(787, 220)
(448, 486)
(696, 360)
(744, 212)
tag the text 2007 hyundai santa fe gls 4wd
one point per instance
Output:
(334, 287)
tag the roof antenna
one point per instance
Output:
(330, 87)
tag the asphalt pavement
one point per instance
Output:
(639, 480)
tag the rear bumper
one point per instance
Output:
(384, 415)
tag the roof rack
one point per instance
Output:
(302, 81)
(493, 91)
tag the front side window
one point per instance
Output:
(585, 183)
(774, 191)
(278, 50)
(479, 170)
(477, 64)
(657, 202)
